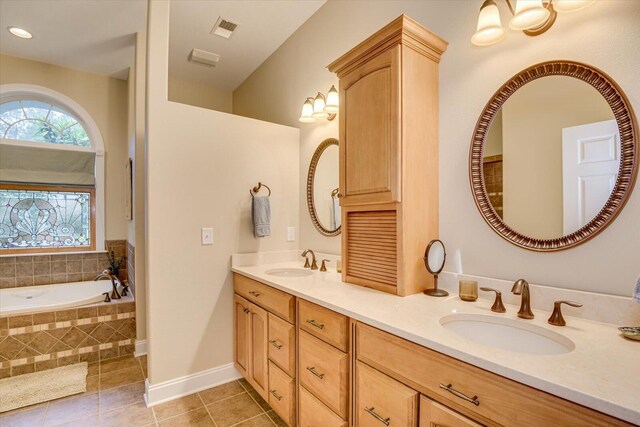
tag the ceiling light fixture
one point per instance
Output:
(20, 32)
(320, 107)
(533, 17)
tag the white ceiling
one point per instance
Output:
(91, 35)
(263, 26)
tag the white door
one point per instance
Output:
(590, 162)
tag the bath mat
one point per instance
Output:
(29, 389)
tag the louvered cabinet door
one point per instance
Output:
(371, 257)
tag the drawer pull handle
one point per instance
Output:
(374, 414)
(462, 396)
(312, 369)
(316, 324)
(245, 309)
(254, 293)
(275, 344)
(273, 393)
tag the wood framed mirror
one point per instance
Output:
(322, 189)
(554, 156)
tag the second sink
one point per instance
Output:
(288, 272)
(507, 334)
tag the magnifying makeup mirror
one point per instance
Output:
(434, 258)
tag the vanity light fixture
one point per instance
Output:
(533, 17)
(20, 32)
(320, 107)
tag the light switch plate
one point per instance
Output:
(207, 236)
(291, 234)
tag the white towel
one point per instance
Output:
(636, 291)
(261, 215)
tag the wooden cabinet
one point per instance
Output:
(433, 414)
(313, 413)
(389, 156)
(381, 399)
(265, 344)
(329, 326)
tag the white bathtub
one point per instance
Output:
(36, 299)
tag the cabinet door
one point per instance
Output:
(433, 414)
(242, 345)
(370, 131)
(258, 367)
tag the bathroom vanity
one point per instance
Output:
(326, 353)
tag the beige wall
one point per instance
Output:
(532, 123)
(200, 167)
(606, 35)
(199, 95)
(105, 99)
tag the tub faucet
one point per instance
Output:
(107, 274)
(314, 264)
(521, 287)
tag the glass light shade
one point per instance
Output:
(528, 14)
(333, 101)
(489, 29)
(307, 112)
(571, 5)
(19, 32)
(318, 107)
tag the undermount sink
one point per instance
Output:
(289, 272)
(507, 334)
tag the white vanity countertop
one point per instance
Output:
(602, 372)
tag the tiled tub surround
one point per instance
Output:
(600, 373)
(40, 341)
(34, 270)
(131, 262)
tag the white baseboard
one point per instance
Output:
(141, 348)
(184, 386)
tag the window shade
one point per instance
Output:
(31, 165)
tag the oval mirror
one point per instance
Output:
(434, 257)
(554, 157)
(322, 188)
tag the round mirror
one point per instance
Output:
(322, 188)
(553, 158)
(434, 257)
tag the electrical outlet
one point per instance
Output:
(291, 234)
(207, 236)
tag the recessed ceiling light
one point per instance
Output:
(19, 32)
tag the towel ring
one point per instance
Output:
(258, 187)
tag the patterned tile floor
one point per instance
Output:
(114, 397)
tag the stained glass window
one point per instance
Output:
(44, 219)
(30, 120)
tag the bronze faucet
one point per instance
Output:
(314, 264)
(521, 287)
(556, 317)
(107, 274)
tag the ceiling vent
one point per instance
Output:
(204, 57)
(224, 28)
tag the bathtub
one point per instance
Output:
(37, 299)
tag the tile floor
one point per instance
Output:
(114, 397)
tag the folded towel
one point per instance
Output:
(261, 214)
(636, 292)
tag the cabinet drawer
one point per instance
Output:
(282, 344)
(381, 400)
(282, 394)
(434, 414)
(501, 401)
(324, 370)
(314, 413)
(329, 326)
(273, 300)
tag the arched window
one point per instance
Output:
(38, 121)
(51, 173)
